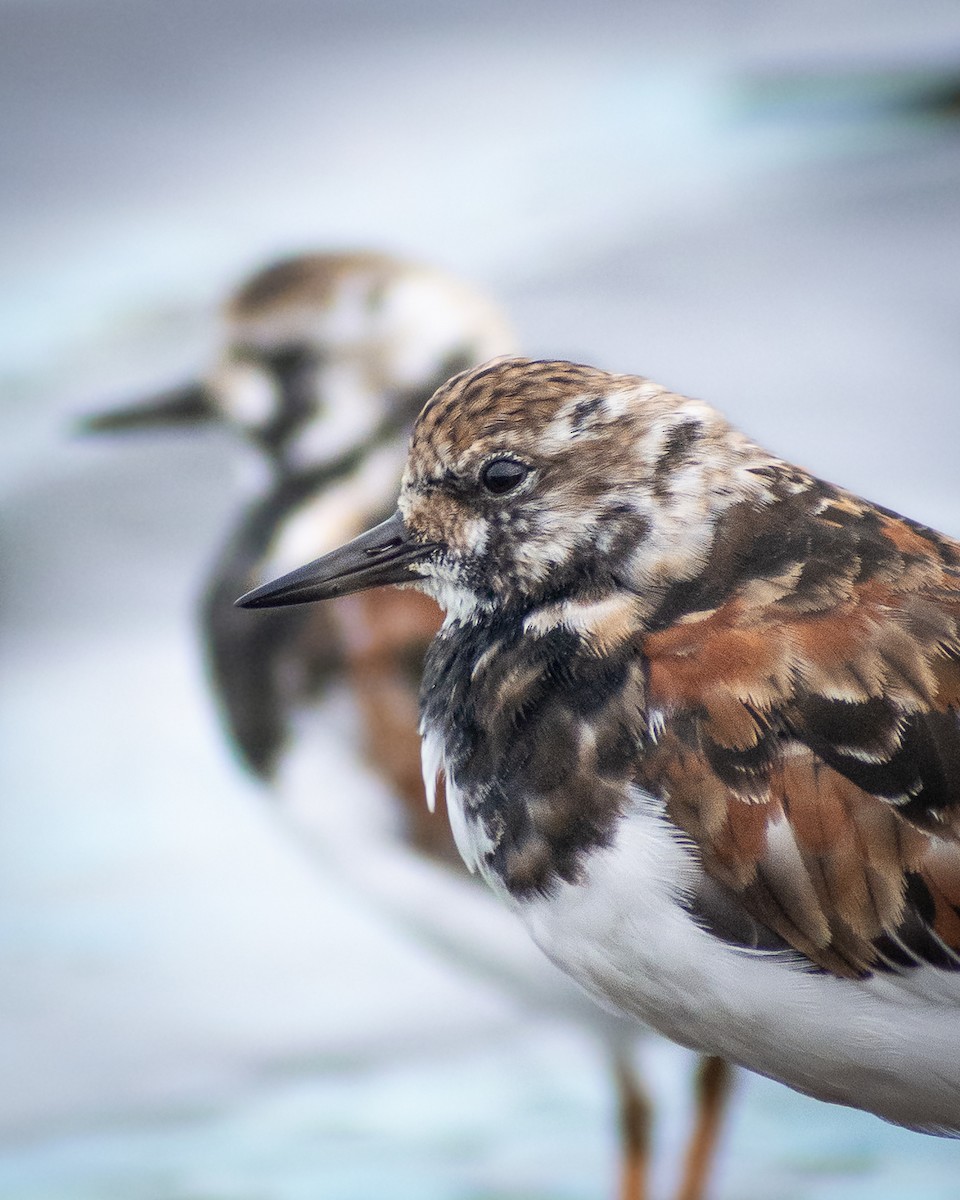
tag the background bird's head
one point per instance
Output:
(325, 354)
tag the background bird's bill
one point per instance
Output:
(380, 556)
(187, 405)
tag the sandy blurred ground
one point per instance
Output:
(755, 202)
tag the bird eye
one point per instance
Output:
(502, 475)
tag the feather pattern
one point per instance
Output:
(811, 746)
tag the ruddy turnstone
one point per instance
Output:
(326, 361)
(697, 712)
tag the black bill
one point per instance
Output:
(186, 405)
(380, 556)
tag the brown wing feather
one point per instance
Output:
(384, 635)
(810, 741)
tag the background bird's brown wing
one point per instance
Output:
(810, 746)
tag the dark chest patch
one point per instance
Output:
(536, 741)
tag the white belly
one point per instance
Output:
(889, 1044)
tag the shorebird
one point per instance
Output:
(311, 346)
(697, 712)
(324, 360)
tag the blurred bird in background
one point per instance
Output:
(325, 361)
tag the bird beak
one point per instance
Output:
(182, 406)
(380, 556)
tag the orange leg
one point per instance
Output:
(714, 1081)
(635, 1121)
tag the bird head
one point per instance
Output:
(529, 483)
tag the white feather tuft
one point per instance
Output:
(431, 764)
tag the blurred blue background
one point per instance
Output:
(756, 202)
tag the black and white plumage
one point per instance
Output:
(697, 712)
